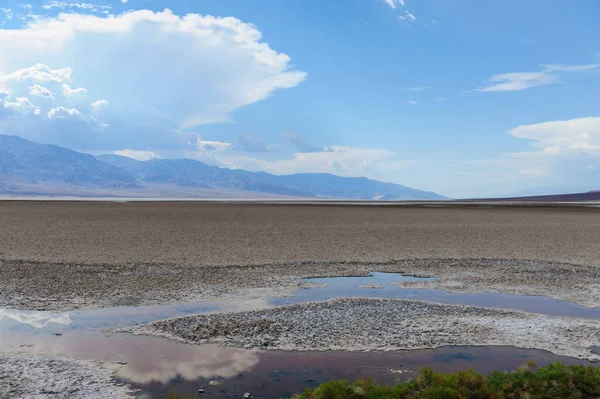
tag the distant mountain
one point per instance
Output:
(27, 167)
(191, 173)
(554, 190)
(569, 197)
(22, 161)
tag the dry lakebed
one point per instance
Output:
(78, 279)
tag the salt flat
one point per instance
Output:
(64, 255)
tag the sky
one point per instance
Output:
(466, 98)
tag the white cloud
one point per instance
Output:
(340, 160)
(410, 16)
(207, 145)
(123, 1)
(39, 73)
(76, 5)
(41, 91)
(394, 3)
(153, 86)
(441, 99)
(100, 103)
(8, 14)
(411, 102)
(137, 154)
(419, 88)
(68, 91)
(517, 81)
(63, 113)
(570, 68)
(558, 137)
(22, 105)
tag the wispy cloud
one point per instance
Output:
(394, 3)
(8, 14)
(406, 16)
(517, 81)
(570, 68)
(411, 102)
(419, 88)
(410, 16)
(441, 99)
(77, 5)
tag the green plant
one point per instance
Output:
(550, 382)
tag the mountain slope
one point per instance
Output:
(22, 161)
(191, 173)
(25, 165)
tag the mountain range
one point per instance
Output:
(28, 168)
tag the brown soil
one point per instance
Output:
(65, 255)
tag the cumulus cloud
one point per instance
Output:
(100, 103)
(63, 112)
(40, 91)
(21, 104)
(68, 91)
(517, 81)
(195, 70)
(558, 137)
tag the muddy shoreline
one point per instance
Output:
(23, 375)
(361, 324)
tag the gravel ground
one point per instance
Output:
(357, 324)
(59, 287)
(200, 234)
(73, 255)
(41, 377)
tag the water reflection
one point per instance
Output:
(151, 360)
(35, 319)
(139, 359)
(397, 286)
(18, 321)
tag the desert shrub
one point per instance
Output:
(553, 381)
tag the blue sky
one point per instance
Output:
(465, 98)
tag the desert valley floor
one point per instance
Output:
(75, 276)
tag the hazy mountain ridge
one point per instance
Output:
(23, 161)
(26, 162)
